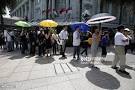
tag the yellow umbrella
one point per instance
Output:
(48, 23)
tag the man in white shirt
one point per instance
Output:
(120, 56)
(76, 43)
(63, 39)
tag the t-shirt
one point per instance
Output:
(63, 35)
(76, 38)
(119, 37)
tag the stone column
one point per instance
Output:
(25, 6)
(22, 11)
(29, 13)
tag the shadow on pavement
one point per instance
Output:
(79, 63)
(62, 58)
(102, 79)
(130, 68)
(123, 75)
(44, 60)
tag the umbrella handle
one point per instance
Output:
(100, 28)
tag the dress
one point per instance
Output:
(94, 46)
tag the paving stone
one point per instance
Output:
(75, 76)
(20, 76)
(61, 86)
(40, 88)
(3, 80)
(41, 74)
(23, 68)
(42, 67)
(83, 84)
(4, 72)
(58, 79)
(35, 83)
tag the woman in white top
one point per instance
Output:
(95, 43)
(126, 33)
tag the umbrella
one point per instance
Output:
(83, 26)
(22, 24)
(48, 23)
(101, 18)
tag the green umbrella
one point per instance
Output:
(22, 24)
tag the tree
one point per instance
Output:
(3, 4)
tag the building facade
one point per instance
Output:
(76, 10)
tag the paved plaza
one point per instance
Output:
(19, 72)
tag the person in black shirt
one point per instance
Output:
(24, 42)
(32, 41)
(41, 44)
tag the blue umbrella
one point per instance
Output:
(83, 26)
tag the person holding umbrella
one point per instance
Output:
(95, 43)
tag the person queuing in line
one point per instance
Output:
(104, 43)
(63, 39)
(126, 33)
(120, 56)
(41, 43)
(2, 40)
(132, 42)
(24, 42)
(48, 42)
(9, 41)
(32, 42)
(85, 44)
(17, 35)
(95, 43)
(55, 42)
(76, 43)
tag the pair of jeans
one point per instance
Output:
(76, 51)
(63, 48)
(85, 50)
(54, 48)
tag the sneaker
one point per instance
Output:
(124, 72)
(114, 67)
(74, 58)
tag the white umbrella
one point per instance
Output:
(101, 18)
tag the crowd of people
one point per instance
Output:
(47, 42)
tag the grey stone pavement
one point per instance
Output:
(19, 72)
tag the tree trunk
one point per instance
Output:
(2, 22)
